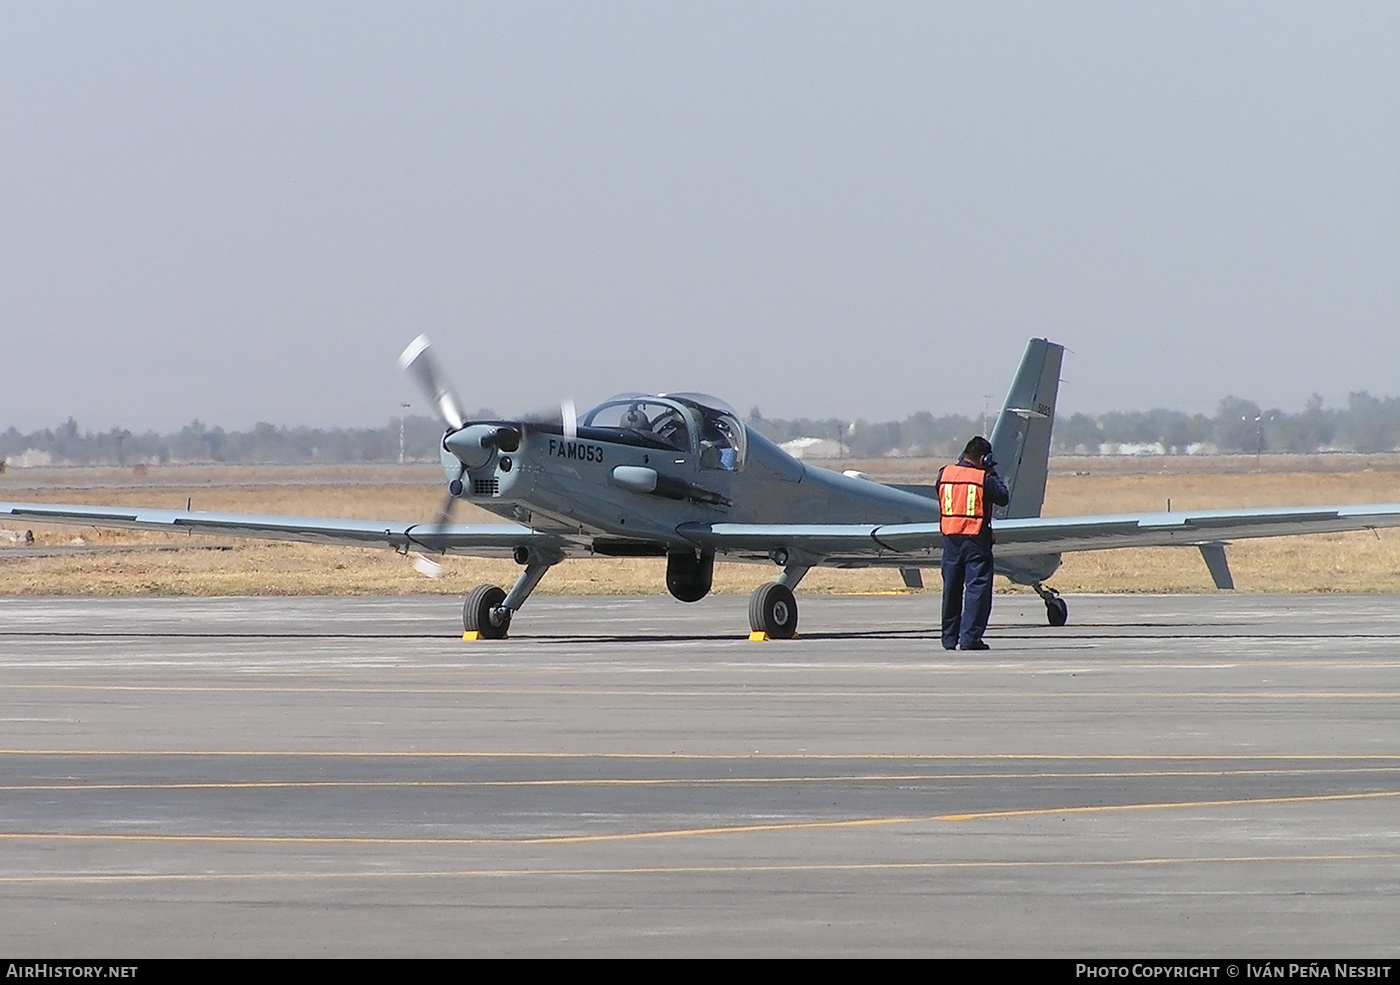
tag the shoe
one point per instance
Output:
(950, 646)
(977, 645)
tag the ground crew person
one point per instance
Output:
(967, 491)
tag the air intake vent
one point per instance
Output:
(486, 487)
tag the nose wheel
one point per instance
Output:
(483, 613)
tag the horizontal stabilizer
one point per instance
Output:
(928, 492)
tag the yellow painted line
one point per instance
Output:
(845, 824)
(759, 868)
(409, 842)
(1171, 805)
(392, 754)
(78, 786)
(1253, 693)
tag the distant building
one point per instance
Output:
(813, 448)
(30, 458)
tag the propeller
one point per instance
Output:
(427, 567)
(569, 414)
(566, 415)
(423, 564)
(420, 362)
(474, 444)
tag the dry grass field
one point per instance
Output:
(86, 561)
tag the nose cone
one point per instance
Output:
(473, 445)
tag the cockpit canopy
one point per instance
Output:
(695, 423)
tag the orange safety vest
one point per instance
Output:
(962, 500)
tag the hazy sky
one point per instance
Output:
(243, 211)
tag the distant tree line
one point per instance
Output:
(1366, 424)
(68, 444)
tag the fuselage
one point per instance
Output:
(586, 483)
(637, 469)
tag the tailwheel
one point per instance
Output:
(482, 613)
(1056, 609)
(773, 611)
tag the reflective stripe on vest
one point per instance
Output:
(960, 496)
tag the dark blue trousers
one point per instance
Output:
(967, 590)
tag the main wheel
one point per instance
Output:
(773, 610)
(476, 612)
(1056, 611)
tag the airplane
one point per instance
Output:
(679, 476)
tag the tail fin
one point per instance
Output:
(1021, 437)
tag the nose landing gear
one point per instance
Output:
(482, 613)
(487, 611)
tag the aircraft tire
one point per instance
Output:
(1056, 611)
(476, 612)
(773, 610)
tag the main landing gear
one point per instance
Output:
(773, 611)
(1056, 610)
(487, 611)
(773, 607)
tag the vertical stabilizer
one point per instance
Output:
(1021, 437)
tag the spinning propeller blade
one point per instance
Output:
(423, 564)
(419, 361)
(565, 415)
(569, 416)
(426, 566)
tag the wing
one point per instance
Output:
(854, 545)
(1051, 535)
(903, 543)
(481, 540)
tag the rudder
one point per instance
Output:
(1021, 437)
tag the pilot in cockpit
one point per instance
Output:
(636, 419)
(717, 448)
(670, 427)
